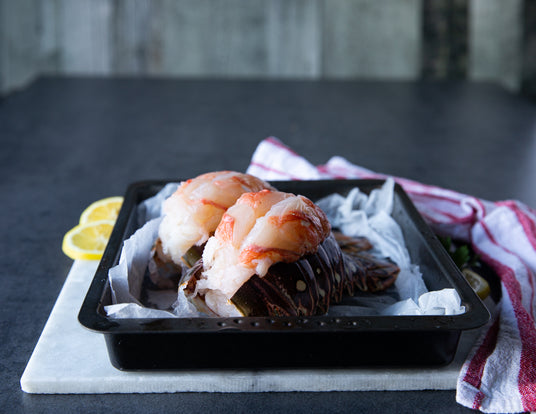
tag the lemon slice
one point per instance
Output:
(477, 282)
(87, 241)
(105, 209)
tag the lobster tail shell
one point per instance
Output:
(309, 285)
(304, 287)
(366, 272)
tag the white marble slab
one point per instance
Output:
(70, 359)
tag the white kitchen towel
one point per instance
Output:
(499, 376)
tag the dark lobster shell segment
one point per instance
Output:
(367, 273)
(310, 285)
(301, 288)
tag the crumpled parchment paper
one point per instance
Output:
(357, 214)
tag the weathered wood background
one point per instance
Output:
(492, 40)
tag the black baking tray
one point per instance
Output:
(287, 342)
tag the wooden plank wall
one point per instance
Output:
(304, 39)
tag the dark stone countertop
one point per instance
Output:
(66, 142)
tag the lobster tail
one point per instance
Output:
(304, 287)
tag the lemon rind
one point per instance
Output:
(84, 217)
(76, 253)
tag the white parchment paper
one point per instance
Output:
(357, 214)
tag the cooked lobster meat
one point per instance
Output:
(274, 254)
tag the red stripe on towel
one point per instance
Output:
(475, 370)
(264, 167)
(525, 323)
(274, 141)
(528, 225)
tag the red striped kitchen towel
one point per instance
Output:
(499, 375)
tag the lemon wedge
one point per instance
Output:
(477, 282)
(105, 209)
(87, 241)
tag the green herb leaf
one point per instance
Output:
(461, 256)
(446, 242)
